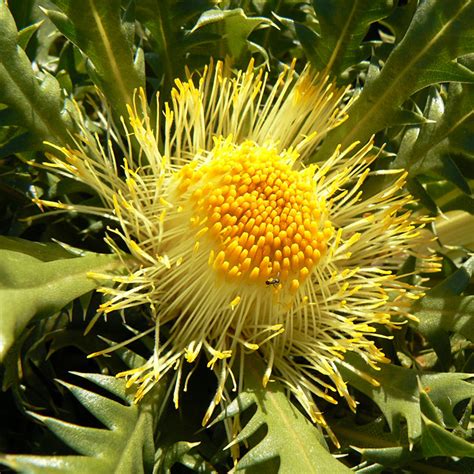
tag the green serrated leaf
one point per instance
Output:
(446, 390)
(372, 469)
(448, 197)
(20, 143)
(38, 250)
(106, 410)
(168, 456)
(399, 21)
(352, 433)
(392, 456)
(456, 283)
(290, 437)
(430, 152)
(37, 106)
(428, 408)
(126, 446)
(111, 384)
(419, 192)
(234, 26)
(25, 34)
(96, 28)
(408, 117)
(196, 463)
(343, 25)
(36, 282)
(398, 395)
(437, 441)
(439, 316)
(440, 32)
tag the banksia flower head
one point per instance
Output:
(239, 245)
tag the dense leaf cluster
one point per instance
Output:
(410, 64)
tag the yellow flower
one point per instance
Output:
(238, 245)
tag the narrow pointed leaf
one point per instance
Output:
(108, 411)
(82, 439)
(439, 442)
(52, 464)
(111, 384)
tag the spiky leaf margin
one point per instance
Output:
(290, 438)
(125, 445)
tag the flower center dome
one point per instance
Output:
(262, 218)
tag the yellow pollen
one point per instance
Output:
(265, 221)
(235, 302)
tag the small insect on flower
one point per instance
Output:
(273, 281)
(219, 204)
